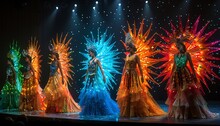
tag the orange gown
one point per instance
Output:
(133, 97)
(31, 98)
(58, 97)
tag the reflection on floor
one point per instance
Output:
(38, 118)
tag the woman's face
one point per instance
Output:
(53, 56)
(9, 62)
(128, 48)
(26, 59)
(91, 53)
(179, 36)
(180, 48)
(178, 33)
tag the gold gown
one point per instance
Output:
(58, 97)
(133, 97)
(31, 98)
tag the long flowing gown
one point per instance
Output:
(31, 97)
(9, 93)
(133, 96)
(58, 97)
(94, 97)
(185, 100)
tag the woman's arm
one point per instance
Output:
(61, 72)
(139, 67)
(100, 66)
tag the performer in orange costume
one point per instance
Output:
(58, 97)
(31, 98)
(133, 96)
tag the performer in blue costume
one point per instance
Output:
(100, 65)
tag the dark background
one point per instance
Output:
(22, 19)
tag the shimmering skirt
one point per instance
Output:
(31, 98)
(9, 97)
(58, 97)
(96, 100)
(134, 99)
(185, 100)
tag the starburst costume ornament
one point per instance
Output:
(146, 49)
(196, 42)
(58, 96)
(101, 65)
(32, 98)
(11, 90)
(133, 96)
(187, 56)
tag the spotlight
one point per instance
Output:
(75, 5)
(146, 1)
(97, 2)
(119, 4)
(57, 8)
(93, 8)
(73, 10)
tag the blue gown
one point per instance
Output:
(94, 97)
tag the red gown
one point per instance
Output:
(185, 100)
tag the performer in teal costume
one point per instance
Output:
(11, 90)
(101, 64)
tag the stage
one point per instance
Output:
(41, 118)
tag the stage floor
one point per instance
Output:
(38, 118)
